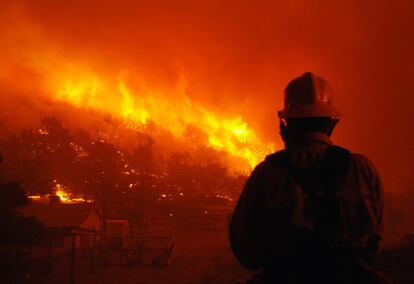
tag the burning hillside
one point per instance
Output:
(212, 72)
(51, 160)
(54, 74)
(150, 115)
(151, 111)
(175, 112)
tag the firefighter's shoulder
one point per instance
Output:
(364, 164)
(269, 163)
(275, 158)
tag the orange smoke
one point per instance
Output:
(237, 57)
(61, 74)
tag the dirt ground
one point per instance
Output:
(198, 258)
(206, 258)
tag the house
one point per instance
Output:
(70, 228)
(67, 224)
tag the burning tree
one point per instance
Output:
(77, 165)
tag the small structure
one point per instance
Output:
(117, 228)
(151, 250)
(66, 217)
(70, 227)
(139, 249)
(117, 238)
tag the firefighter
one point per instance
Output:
(311, 213)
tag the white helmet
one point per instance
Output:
(308, 96)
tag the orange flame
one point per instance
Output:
(62, 192)
(66, 197)
(174, 111)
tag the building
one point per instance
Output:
(66, 216)
(72, 229)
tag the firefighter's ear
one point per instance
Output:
(283, 129)
(333, 124)
(282, 125)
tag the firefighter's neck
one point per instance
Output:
(300, 139)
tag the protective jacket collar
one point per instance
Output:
(304, 139)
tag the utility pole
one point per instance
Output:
(72, 260)
(103, 209)
(103, 241)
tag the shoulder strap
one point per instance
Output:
(334, 166)
(327, 173)
(320, 184)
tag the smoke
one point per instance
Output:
(236, 57)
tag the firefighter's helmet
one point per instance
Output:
(308, 96)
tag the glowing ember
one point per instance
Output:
(61, 193)
(66, 197)
(35, 197)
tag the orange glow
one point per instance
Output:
(126, 59)
(35, 197)
(173, 111)
(64, 197)
(60, 192)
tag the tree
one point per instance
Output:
(39, 157)
(142, 157)
(16, 233)
(16, 230)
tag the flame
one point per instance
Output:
(66, 197)
(172, 110)
(35, 197)
(61, 193)
(137, 102)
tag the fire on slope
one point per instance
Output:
(94, 83)
(61, 193)
(171, 110)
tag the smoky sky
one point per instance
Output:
(237, 57)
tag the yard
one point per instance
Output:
(199, 257)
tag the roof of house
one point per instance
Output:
(60, 215)
(123, 221)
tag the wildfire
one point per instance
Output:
(128, 96)
(66, 197)
(62, 193)
(173, 111)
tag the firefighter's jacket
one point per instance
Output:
(272, 220)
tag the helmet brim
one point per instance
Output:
(311, 110)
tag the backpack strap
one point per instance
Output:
(334, 166)
(326, 174)
(326, 213)
(321, 183)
